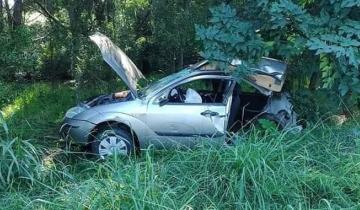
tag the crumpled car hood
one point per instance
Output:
(118, 61)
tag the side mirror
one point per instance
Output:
(163, 101)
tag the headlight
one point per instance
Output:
(74, 111)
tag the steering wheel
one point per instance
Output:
(181, 94)
(177, 96)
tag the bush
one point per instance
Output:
(19, 54)
(320, 104)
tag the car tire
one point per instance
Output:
(112, 140)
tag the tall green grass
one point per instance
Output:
(318, 168)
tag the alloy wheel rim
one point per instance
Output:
(111, 144)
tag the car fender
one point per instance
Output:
(280, 106)
(141, 130)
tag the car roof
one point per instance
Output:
(203, 68)
(207, 68)
(209, 72)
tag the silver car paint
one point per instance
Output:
(164, 126)
(153, 124)
(281, 102)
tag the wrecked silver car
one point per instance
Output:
(180, 109)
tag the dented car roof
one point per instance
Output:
(268, 75)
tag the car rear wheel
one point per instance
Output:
(277, 122)
(112, 141)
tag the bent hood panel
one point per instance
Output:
(118, 61)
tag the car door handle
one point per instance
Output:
(209, 113)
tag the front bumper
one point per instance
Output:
(76, 130)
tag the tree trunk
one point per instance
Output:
(50, 7)
(8, 13)
(315, 76)
(74, 17)
(99, 7)
(181, 58)
(173, 62)
(78, 29)
(1, 16)
(314, 80)
(18, 13)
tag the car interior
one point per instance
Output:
(247, 102)
(210, 91)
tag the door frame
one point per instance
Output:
(167, 89)
(153, 101)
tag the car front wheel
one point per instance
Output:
(112, 141)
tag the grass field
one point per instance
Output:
(316, 169)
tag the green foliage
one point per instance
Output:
(320, 39)
(332, 32)
(268, 126)
(9, 92)
(228, 37)
(289, 30)
(314, 106)
(19, 163)
(19, 55)
(4, 125)
(314, 169)
(350, 3)
(174, 33)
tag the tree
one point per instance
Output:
(174, 32)
(17, 13)
(322, 33)
(332, 31)
(1, 16)
(228, 37)
(14, 17)
(8, 12)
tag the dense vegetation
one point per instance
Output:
(320, 40)
(47, 65)
(317, 168)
